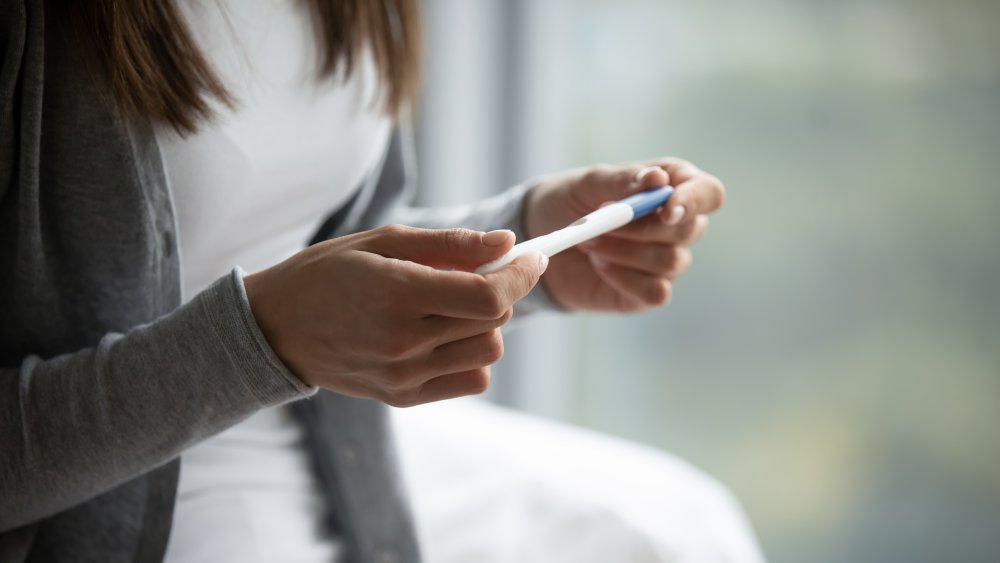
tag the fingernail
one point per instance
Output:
(496, 238)
(676, 214)
(642, 173)
(543, 263)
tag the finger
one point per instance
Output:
(637, 290)
(698, 196)
(516, 280)
(680, 170)
(604, 183)
(466, 295)
(696, 192)
(652, 229)
(459, 249)
(651, 177)
(700, 227)
(453, 385)
(463, 355)
(442, 330)
(665, 260)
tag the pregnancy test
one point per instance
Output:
(604, 220)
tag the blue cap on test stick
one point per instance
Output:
(648, 201)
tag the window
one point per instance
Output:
(832, 354)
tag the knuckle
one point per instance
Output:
(630, 172)
(669, 162)
(479, 381)
(659, 293)
(667, 258)
(493, 348)
(456, 240)
(689, 167)
(715, 183)
(596, 173)
(402, 392)
(399, 347)
(701, 227)
(397, 378)
(503, 319)
(686, 229)
(526, 278)
(506, 317)
(718, 190)
(401, 399)
(684, 260)
(389, 397)
(492, 301)
(393, 230)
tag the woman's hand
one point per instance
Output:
(632, 268)
(371, 315)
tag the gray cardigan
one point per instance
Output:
(105, 378)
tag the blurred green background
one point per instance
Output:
(833, 355)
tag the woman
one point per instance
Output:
(150, 147)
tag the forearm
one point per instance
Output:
(501, 211)
(79, 424)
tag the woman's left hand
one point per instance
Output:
(632, 268)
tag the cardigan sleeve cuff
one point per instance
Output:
(264, 375)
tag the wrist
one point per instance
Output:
(227, 306)
(255, 286)
(529, 215)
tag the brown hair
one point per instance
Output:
(155, 69)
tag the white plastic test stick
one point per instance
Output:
(595, 224)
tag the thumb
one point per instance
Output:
(603, 185)
(458, 249)
(516, 279)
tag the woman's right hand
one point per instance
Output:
(395, 313)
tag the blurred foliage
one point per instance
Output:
(834, 353)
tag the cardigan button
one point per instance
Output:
(167, 243)
(386, 554)
(349, 454)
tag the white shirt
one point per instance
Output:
(250, 189)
